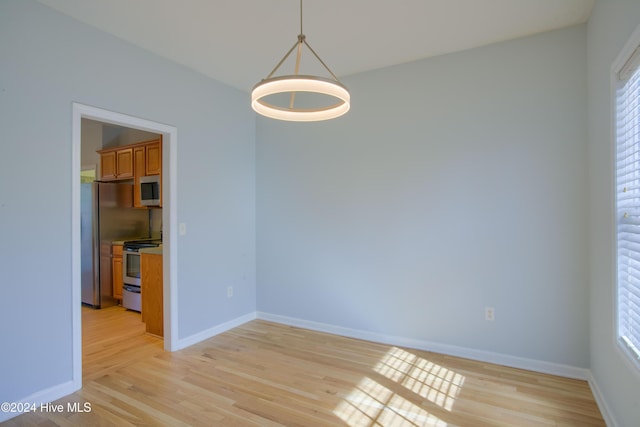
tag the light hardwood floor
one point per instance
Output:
(267, 374)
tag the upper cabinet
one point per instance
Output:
(153, 153)
(108, 165)
(116, 164)
(128, 161)
(132, 162)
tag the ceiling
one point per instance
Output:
(238, 42)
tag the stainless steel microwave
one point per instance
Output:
(150, 190)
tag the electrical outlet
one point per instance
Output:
(182, 228)
(489, 314)
(229, 291)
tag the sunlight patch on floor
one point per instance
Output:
(433, 382)
(372, 404)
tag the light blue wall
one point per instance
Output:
(48, 61)
(454, 183)
(611, 24)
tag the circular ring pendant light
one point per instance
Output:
(297, 83)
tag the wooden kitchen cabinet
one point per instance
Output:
(106, 271)
(151, 291)
(116, 164)
(124, 163)
(116, 263)
(139, 165)
(132, 162)
(108, 166)
(153, 153)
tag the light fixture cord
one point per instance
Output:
(302, 39)
(282, 60)
(292, 98)
(298, 44)
(321, 61)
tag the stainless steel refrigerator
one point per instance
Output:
(107, 214)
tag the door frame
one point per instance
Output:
(169, 221)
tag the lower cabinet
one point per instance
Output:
(116, 268)
(152, 293)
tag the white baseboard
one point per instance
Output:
(59, 391)
(43, 397)
(602, 403)
(211, 332)
(467, 353)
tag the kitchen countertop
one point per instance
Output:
(121, 241)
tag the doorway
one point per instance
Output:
(169, 221)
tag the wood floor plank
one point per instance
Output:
(268, 374)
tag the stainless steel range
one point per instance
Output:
(131, 271)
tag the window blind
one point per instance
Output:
(628, 203)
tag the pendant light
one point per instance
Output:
(336, 92)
